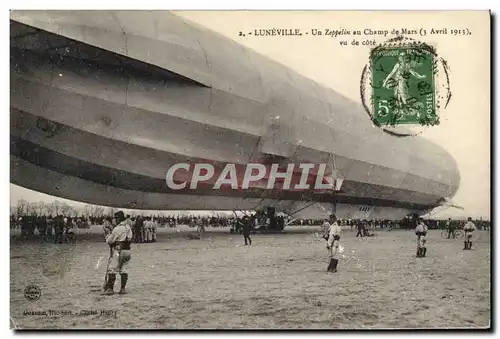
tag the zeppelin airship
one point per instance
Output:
(103, 103)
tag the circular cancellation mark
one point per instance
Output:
(405, 86)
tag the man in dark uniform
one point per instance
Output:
(59, 229)
(450, 226)
(50, 227)
(42, 226)
(361, 229)
(139, 223)
(246, 229)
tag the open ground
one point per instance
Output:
(280, 281)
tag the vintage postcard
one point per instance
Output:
(250, 170)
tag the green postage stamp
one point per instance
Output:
(403, 86)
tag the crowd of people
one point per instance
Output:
(405, 223)
(61, 228)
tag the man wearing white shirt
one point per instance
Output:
(148, 226)
(469, 228)
(421, 232)
(325, 230)
(154, 225)
(333, 244)
(119, 240)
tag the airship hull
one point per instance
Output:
(107, 134)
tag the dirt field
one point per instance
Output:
(278, 282)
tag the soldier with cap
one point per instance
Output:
(421, 232)
(119, 240)
(325, 230)
(246, 223)
(333, 244)
(154, 226)
(469, 228)
(450, 226)
(148, 227)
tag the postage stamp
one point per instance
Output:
(405, 85)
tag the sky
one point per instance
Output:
(465, 125)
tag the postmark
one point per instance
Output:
(405, 86)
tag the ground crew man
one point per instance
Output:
(50, 226)
(59, 229)
(333, 244)
(246, 229)
(201, 228)
(154, 226)
(143, 231)
(469, 227)
(139, 223)
(325, 230)
(451, 228)
(119, 240)
(147, 230)
(421, 232)
(361, 229)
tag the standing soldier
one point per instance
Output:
(469, 227)
(42, 226)
(325, 230)
(139, 224)
(421, 232)
(246, 230)
(50, 227)
(58, 228)
(109, 223)
(361, 229)
(154, 226)
(143, 231)
(201, 228)
(120, 240)
(450, 226)
(333, 244)
(24, 228)
(147, 227)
